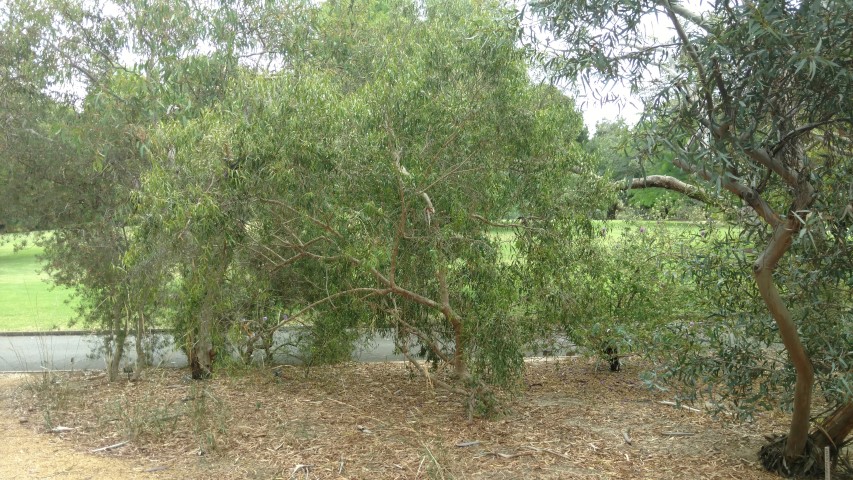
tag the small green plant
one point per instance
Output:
(126, 413)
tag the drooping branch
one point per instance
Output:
(427, 339)
(405, 293)
(367, 291)
(797, 132)
(669, 183)
(749, 195)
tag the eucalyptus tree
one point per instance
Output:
(30, 140)
(377, 172)
(86, 84)
(752, 98)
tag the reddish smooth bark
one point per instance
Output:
(763, 270)
(835, 428)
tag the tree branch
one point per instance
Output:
(694, 56)
(669, 183)
(687, 15)
(325, 226)
(797, 132)
(749, 195)
(482, 219)
(763, 157)
(419, 333)
(370, 292)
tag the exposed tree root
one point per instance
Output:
(809, 464)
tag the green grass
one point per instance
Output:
(27, 301)
(670, 226)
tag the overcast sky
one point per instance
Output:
(593, 111)
(629, 107)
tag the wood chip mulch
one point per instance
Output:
(572, 419)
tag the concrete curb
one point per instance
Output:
(59, 333)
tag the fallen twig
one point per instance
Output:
(468, 444)
(678, 434)
(303, 467)
(109, 447)
(420, 466)
(673, 404)
(506, 455)
(61, 429)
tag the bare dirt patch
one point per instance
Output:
(27, 454)
(370, 421)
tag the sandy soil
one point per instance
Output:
(370, 421)
(27, 454)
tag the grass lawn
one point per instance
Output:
(27, 301)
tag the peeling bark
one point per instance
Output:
(835, 428)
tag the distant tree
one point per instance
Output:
(612, 141)
(76, 147)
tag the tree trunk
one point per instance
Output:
(119, 335)
(459, 363)
(140, 352)
(834, 429)
(798, 433)
(202, 357)
(203, 354)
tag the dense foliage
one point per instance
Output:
(358, 169)
(753, 99)
(234, 169)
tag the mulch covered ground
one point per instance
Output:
(574, 419)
